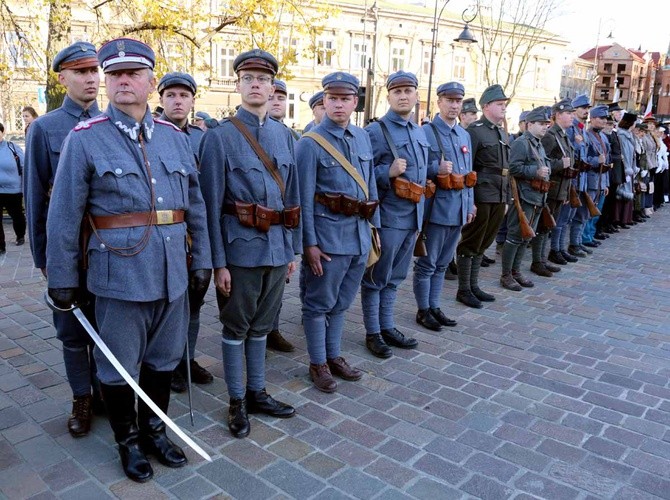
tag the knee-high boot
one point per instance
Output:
(120, 404)
(464, 294)
(474, 280)
(153, 439)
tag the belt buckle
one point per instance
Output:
(164, 217)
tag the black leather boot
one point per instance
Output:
(464, 294)
(238, 419)
(120, 403)
(153, 439)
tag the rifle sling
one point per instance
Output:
(346, 164)
(260, 152)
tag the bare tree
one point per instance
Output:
(510, 30)
(60, 20)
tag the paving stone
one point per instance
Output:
(41, 451)
(560, 451)
(86, 491)
(352, 454)
(321, 465)
(248, 455)
(290, 448)
(292, 480)
(63, 475)
(644, 427)
(485, 488)
(20, 482)
(195, 487)
(558, 432)
(491, 467)
(647, 462)
(235, 481)
(8, 456)
(398, 450)
(522, 456)
(358, 484)
(579, 478)
(441, 469)
(9, 417)
(544, 487)
(429, 489)
(651, 484)
(479, 440)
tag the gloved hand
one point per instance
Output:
(65, 298)
(198, 283)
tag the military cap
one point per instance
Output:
(451, 89)
(126, 53)
(401, 79)
(649, 119)
(523, 115)
(493, 93)
(175, 78)
(581, 101)
(76, 56)
(340, 83)
(614, 106)
(280, 86)
(538, 114)
(642, 126)
(201, 115)
(627, 120)
(469, 106)
(316, 99)
(256, 59)
(564, 106)
(599, 111)
(609, 119)
(158, 109)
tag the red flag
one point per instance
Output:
(647, 112)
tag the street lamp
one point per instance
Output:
(465, 37)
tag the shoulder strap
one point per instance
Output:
(389, 139)
(12, 148)
(260, 152)
(439, 141)
(330, 149)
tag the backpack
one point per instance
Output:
(12, 148)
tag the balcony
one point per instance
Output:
(222, 82)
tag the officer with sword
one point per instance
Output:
(131, 181)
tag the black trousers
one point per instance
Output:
(13, 202)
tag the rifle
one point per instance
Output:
(593, 209)
(527, 232)
(546, 218)
(575, 202)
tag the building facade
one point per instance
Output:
(369, 39)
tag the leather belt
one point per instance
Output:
(137, 219)
(260, 217)
(339, 203)
(493, 170)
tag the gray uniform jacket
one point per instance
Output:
(524, 160)
(43, 147)
(102, 171)
(557, 144)
(490, 152)
(411, 145)
(597, 143)
(194, 135)
(321, 173)
(231, 171)
(450, 207)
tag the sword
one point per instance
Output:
(126, 376)
(188, 381)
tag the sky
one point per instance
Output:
(632, 23)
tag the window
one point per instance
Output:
(619, 81)
(459, 67)
(606, 81)
(608, 67)
(291, 108)
(425, 61)
(226, 58)
(605, 94)
(540, 77)
(324, 53)
(397, 59)
(289, 46)
(175, 57)
(621, 68)
(359, 54)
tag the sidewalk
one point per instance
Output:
(560, 391)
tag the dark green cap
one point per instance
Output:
(493, 93)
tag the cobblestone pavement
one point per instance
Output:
(561, 391)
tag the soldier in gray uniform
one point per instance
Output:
(318, 110)
(450, 167)
(134, 183)
(562, 160)
(339, 201)
(401, 166)
(177, 96)
(529, 165)
(250, 186)
(490, 161)
(77, 68)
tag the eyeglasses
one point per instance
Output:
(263, 79)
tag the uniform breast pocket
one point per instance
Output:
(489, 152)
(423, 150)
(365, 161)
(284, 164)
(178, 173)
(331, 176)
(118, 182)
(245, 177)
(55, 140)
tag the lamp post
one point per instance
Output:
(465, 37)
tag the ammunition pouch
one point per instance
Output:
(339, 203)
(540, 185)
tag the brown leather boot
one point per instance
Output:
(322, 378)
(277, 342)
(338, 366)
(508, 282)
(522, 280)
(541, 270)
(79, 423)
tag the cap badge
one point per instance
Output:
(339, 76)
